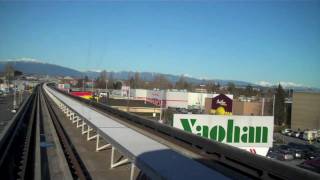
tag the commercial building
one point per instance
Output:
(305, 111)
(239, 106)
(172, 98)
(167, 98)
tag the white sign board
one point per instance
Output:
(246, 132)
(263, 151)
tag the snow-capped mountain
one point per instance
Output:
(34, 66)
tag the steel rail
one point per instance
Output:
(76, 166)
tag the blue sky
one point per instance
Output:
(252, 41)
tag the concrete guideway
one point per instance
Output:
(54, 165)
(153, 158)
(30, 148)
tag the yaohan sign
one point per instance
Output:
(241, 131)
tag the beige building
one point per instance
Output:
(305, 111)
(251, 108)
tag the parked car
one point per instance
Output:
(274, 155)
(281, 153)
(103, 94)
(307, 151)
(286, 155)
(313, 164)
(290, 133)
(196, 111)
(299, 135)
(293, 134)
(183, 111)
(286, 131)
(310, 135)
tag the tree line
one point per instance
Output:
(161, 82)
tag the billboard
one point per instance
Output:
(156, 97)
(83, 94)
(221, 105)
(253, 133)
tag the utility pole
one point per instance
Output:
(128, 99)
(274, 99)
(83, 84)
(262, 109)
(92, 86)
(20, 95)
(14, 95)
(92, 94)
(202, 85)
(161, 103)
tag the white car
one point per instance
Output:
(286, 131)
(103, 94)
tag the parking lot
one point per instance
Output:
(295, 151)
(287, 139)
(5, 110)
(6, 107)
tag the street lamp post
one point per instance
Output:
(202, 85)
(14, 95)
(161, 102)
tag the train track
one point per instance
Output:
(78, 170)
(17, 145)
(23, 147)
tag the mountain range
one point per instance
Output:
(40, 68)
(33, 67)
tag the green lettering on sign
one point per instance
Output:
(230, 133)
